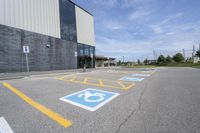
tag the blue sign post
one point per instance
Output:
(90, 99)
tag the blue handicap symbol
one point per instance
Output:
(90, 99)
(132, 79)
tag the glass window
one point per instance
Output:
(80, 50)
(87, 50)
(68, 20)
(86, 56)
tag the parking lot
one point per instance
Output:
(99, 101)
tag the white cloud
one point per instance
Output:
(173, 40)
(170, 33)
(133, 3)
(171, 18)
(157, 29)
(167, 25)
(105, 3)
(112, 25)
(138, 14)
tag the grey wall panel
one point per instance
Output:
(10, 55)
(58, 57)
(85, 27)
(40, 16)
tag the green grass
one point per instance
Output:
(184, 65)
(166, 65)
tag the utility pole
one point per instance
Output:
(184, 54)
(154, 54)
(199, 46)
(193, 53)
(123, 59)
(132, 61)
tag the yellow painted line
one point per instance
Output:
(85, 80)
(121, 85)
(95, 79)
(113, 87)
(54, 116)
(101, 82)
(66, 76)
(61, 77)
(130, 86)
(93, 84)
(74, 78)
(100, 79)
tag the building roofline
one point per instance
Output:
(80, 7)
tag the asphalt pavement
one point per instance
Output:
(167, 100)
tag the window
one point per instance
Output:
(86, 56)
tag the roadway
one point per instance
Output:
(166, 100)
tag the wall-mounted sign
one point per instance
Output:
(26, 49)
(75, 54)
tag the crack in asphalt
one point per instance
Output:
(132, 112)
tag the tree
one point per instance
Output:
(178, 58)
(169, 59)
(138, 61)
(198, 53)
(119, 63)
(145, 61)
(161, 59)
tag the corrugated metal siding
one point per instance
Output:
(85, 27)
(39, 16)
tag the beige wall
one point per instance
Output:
(40, 16)
(85, 27)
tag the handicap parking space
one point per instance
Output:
(109, 78)
(89, 101)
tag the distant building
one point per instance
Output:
(196, 59)
(149, 62)
(59, 33)
(101, 61)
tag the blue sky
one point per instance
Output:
(135, 28)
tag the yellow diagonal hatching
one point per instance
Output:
(73, 79)
(101, 82)
(85, 80)
(130, 86)
(122, 85)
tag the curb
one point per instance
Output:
(9, 78)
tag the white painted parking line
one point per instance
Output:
(132, 79)
(140, 75)
(4, 127)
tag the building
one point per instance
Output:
(59, 33)
(196, 59)
(102, 61)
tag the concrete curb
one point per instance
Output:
(10, 78)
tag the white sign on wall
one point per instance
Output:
(75, 54)
(26, 49)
